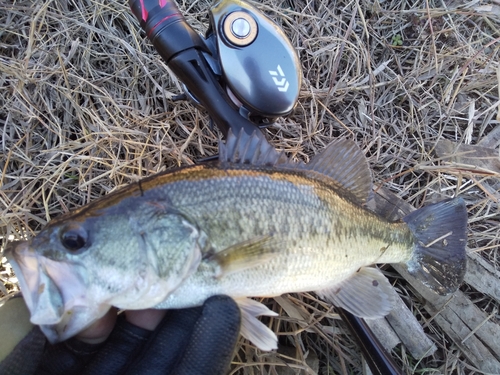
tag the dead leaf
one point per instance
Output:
(484, 159)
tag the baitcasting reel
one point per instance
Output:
(260, 67)
(247, 55)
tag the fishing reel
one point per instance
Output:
(245, 57)
(260, 68)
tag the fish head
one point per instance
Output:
(54, 290)
(75, 269)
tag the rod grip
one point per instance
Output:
(166, 27)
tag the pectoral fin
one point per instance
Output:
(244, 255)
(366, 294)
(252, 328)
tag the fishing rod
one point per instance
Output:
(245, 73)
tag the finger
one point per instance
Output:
(147, 319)
(73, 355)
(214, 337)
(99, 330)
(165, 346)
(68, 357)
(121, 348)
(192, 341)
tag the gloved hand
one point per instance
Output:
(198, 340)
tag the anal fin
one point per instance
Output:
(366, 294)
(252, 328)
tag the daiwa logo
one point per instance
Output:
(282, 84)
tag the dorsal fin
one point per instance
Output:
(249, 149)
(344, 162)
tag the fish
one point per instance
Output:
(251, 224)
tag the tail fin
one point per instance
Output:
(439, 258)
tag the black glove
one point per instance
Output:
(198, 340)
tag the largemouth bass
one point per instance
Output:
(252, 224)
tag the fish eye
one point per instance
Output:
(74, 237)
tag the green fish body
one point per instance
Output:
(309, 232)
(250, 225)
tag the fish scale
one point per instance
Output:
(252, 224)
(306, 223)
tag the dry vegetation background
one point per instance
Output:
(85, 108)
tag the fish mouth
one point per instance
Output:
(54, 293)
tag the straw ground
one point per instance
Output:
(85, 107)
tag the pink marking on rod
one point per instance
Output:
(144, 12)
(163, 3)
(161, 21)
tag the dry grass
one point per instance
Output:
(85, 108)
